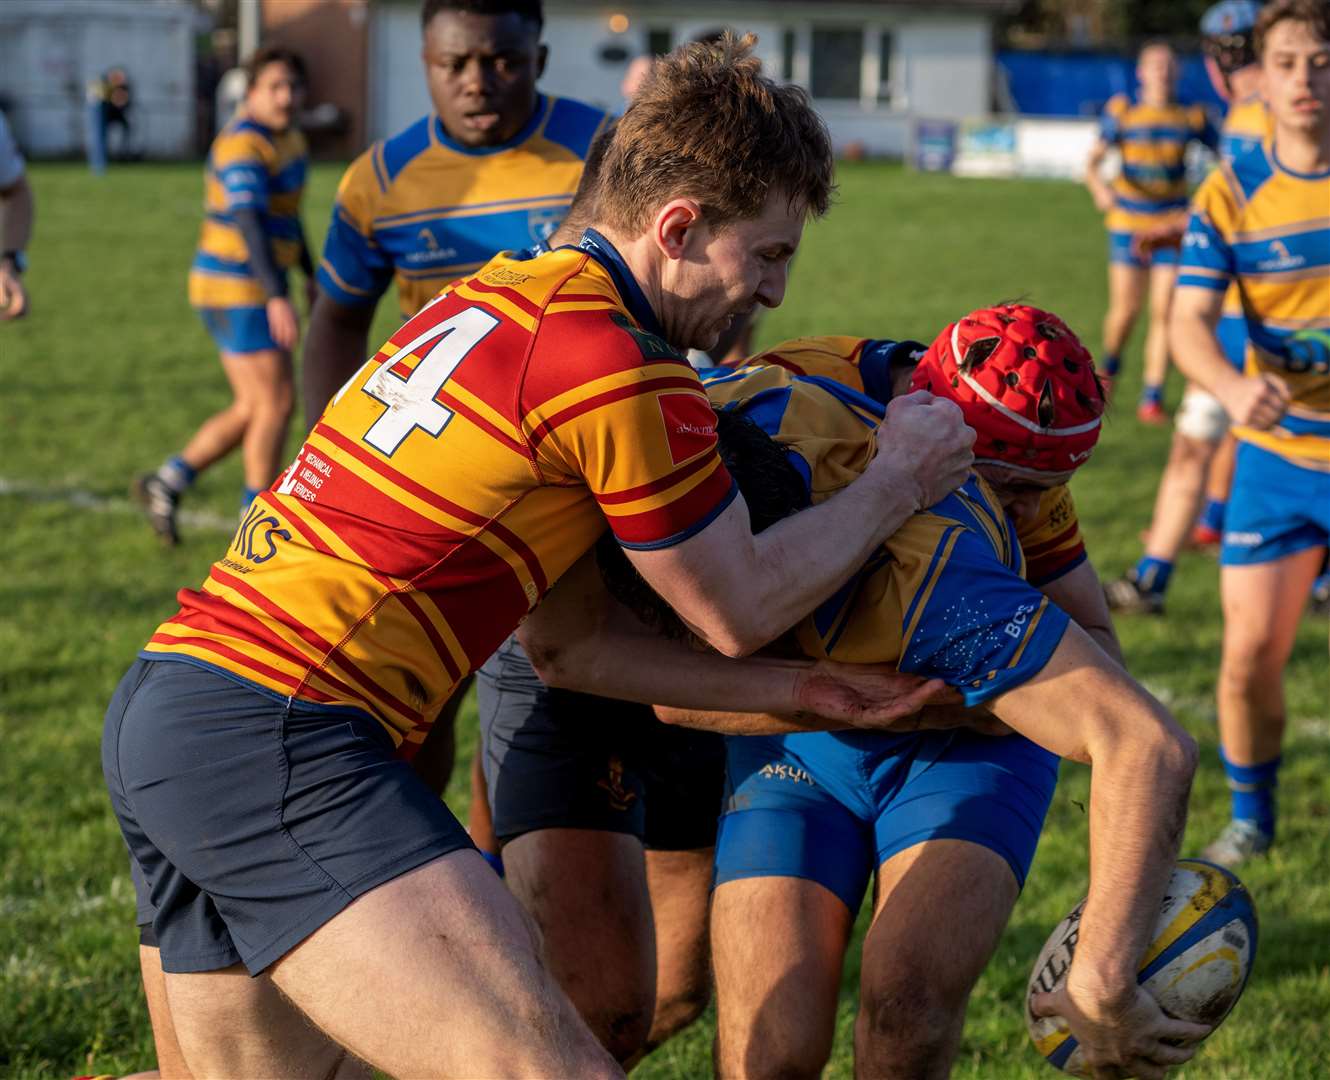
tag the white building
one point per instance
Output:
(870, 65)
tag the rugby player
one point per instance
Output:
(252, 751)
(492, 168)
(1263, 222)
(1196, 476)
(1152, 132)
(16, 204)
(948, 820)
(608, 818)
(251, 237)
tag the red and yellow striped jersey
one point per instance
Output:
(452, 480)
(1052, 540)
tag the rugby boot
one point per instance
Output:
(159, 502)
(1151, 412)
(1127, 595)
(1241, 840)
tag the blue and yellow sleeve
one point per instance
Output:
(975, 623)
(1204, 130)
(241, 162)
(1207, 259)
(355, 269)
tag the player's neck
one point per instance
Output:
(1302, 151)
(642, 258)
(1156, 98)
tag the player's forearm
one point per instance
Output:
(744, 723)
(1080, 595)
(336, 344)
(800, 561)
(648, 668)
(1138, 807)
(259, 253)
(1196, 350)
(16, 213)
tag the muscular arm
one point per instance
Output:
(336, 344)
(579, 638)
(1080, 595)
(740, 591)
(1084, 707)
(1254, 401)
(1099, 189)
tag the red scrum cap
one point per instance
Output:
(1025, 384)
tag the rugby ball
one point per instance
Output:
(1196, 966)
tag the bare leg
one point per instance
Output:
(778, 945)
(270, 389)
(1178, 501)
(170, 1060)
(479, 820)
(586, 889)
(1156, 335)
(1262, 605)
(1126, 294)
(941, 908)
(257, 1032)
(680, 885)
(223, 431)
(433, 973)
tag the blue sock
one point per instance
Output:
(1152, 394)
(1252, 790)
(1213, 515)
(176, 473)
(1112, 365)
(1152, 574)
(247, 496)
(495, 861)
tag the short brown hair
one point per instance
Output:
(1316, 13)
(274, 54)
(708, 125)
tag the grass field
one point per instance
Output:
(112, 371)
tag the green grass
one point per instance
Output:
(112, 371)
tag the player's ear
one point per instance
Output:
(674, 224)
(542, 55)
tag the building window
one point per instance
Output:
(838, 56)
(660, 40)
(884, 67)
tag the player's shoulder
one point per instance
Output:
(1117, 105)
(243, 139)
(572, 124)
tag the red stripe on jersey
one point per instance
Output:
(590, 404)
(1035, 550)
(618, 498)
(440, 646)
(216, 647)
(523, 551)
(304, 528)
(306, 634)
(651, 525)
(498, 435)
(480, 597)
(515, 298)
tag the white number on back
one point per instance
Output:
(411, 401)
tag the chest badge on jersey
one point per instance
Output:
(542, 221)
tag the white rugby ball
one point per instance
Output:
(1196, 966)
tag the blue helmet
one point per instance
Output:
(1226, 34)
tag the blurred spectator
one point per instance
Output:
(109, 100)
(15, 226)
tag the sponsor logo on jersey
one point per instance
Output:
(1282, 258)
(543, 221)
(690, 424)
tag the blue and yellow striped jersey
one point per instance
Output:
(1267, 229)
(944, 596)
(425, 210)
(1153, 140)
(250, 167)
(1246, 127)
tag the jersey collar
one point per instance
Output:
(1274, 158)
(639, 307)
(528, 129)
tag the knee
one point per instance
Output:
(771, 1054)
(1248, 664)
(911, 1020)
(677, 1008)
(624, 1031)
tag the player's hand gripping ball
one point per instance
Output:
(1196, 965)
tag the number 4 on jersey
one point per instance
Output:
(411, 401)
